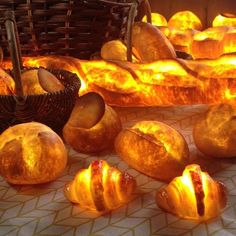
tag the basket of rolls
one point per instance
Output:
(29, 94)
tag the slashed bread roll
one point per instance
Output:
(154, 149)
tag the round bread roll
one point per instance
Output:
(185, 20)
(7, 84)
(39, 81)
(150, 43)
(215, 133)
(30, 82)
(31, 153)
(157, 19)
(154, 149)
(116, 50)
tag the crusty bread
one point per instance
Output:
(116, 50)
(185, 20)
(98, 137)
(154, 149)
(31, 153)
(194, 195)
(215, 133)
(208, 44)
(150, 43)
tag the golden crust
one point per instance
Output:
(7, 84)
(215, 133)
(97, 138)
(194, 195)
(185, 20)
(100, 187)
(31, 153)
(161, 153)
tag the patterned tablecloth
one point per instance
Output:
(43, 209)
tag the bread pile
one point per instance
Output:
(149, 44)
(184, 32)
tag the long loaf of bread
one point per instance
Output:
(160, 83)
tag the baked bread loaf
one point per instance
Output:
(157, 19)
(100, 187)
(215, 134)
(30, 82)
(208, 44)
(31, 153)
(194, 195)
(154, 149)
(181, 39)
(184, 20)
(7, 84)
(229, 41)
(225, 19)
(115, 50)
(39, 81)
(92, 126)
(150, 43)
(161, 83)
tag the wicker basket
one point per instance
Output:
(52, 109)
(69, 27)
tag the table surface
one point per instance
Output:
(43, 209)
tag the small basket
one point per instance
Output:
(76, 28)
(52, 109)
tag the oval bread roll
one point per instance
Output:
(150, 43)
(154, 149)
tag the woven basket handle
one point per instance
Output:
(13, 43)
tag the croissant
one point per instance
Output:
(194, 195)
(100, 187)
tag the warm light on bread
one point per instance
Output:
(215, 133)
(7, 84)
(31, 153)
(157, 19)
(194, 195)
(100, 187)
(150, 43)
(154, 149)
(92, 126)
(185, 20)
